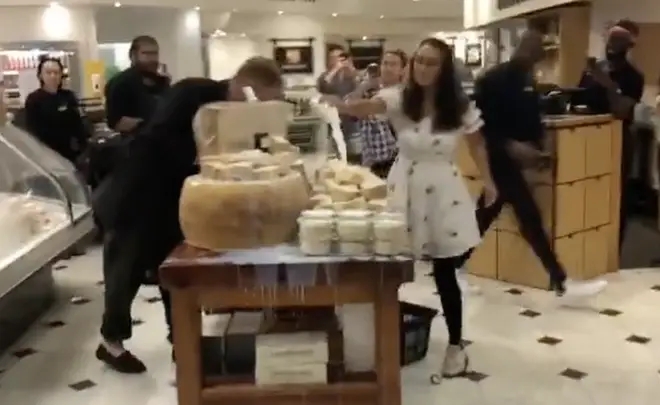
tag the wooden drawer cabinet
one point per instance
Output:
(544, 200)
(570, 151)
(517, 262)
(597, 201)
(598, 150)
(569, 208)
(595, 252)
(570, 253)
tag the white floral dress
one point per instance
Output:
(426, 185)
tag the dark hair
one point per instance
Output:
(264, 70)
(629, 26)
(334, 47)
(42, 61)
(399, 54)
(449, 104)
(140, 41)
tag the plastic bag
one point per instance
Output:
(330, 115)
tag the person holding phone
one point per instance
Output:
(514, 131)
(614, 86)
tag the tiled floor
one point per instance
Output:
(524, 348)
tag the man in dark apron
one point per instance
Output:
(139, 204)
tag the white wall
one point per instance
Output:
(26, 24)
(177, 31)
(477, 13)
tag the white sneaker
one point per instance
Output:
(455, 364)
(575, 290)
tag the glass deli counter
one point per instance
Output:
(45, 209)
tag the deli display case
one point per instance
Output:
(45, 209)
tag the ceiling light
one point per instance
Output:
(233, 10)
(197, 8)
(334, 14)
(364, 38)
(381, 16)
(54, 4)
(243, 34)
(280, 12)
(117, 4)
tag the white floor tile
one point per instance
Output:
(516, 368)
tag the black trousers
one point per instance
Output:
(444, 275)
(127, 254)
(514, 191)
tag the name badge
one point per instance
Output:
(62, 108)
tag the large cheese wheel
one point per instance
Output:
(225, 215)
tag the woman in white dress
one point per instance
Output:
(430, 115)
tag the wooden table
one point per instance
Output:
(202, 279)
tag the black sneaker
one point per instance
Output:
(125, 363)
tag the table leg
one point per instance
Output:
(388, 364)
(187, 328)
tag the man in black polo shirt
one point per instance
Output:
(132, 95)
(614, 86)
(139, 204)
(514, 133)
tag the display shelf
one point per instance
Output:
(203, 279)
(46, 211)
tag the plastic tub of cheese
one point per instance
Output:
(241, 214)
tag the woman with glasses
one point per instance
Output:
(430, 114)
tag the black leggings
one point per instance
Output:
(444, 274)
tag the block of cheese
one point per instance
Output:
(320, 199)
(224, 215)
(240, 171)
(268, 172)
(316, 373)
(348, 175)
(377, 205)
(374, 189)
(286, 158)
(356, 204)
(279, 144)
(222, 171)
(340, 192)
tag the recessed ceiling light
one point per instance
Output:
(197, 8)
(334, 14)
(233, 10)
(364, 38)
(117, 4)
(381, 16)
(280, 12)
(243, 34)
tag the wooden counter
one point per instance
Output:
(579, 198)
(202, 279)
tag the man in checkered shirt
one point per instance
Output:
(378, 139)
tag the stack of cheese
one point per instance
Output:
(245, 199)
(339, 186)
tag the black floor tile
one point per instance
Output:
(642, 340)
(655, 288)
(549, 340)
(101, 282)
(152, 300)
(476, 376)
(24, 353)
(610, 312)
(466, 342)
(82, 385)
(137, 322)
(530, 314)
(60, 267)
(573, 374)
(514, 291)
(54, 324)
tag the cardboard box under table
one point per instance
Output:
(203, 279)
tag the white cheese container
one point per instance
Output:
(315, 247)
(353, 248)
(354, 226)
(390, 234)
(316, 231)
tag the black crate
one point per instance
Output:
(415, 331)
